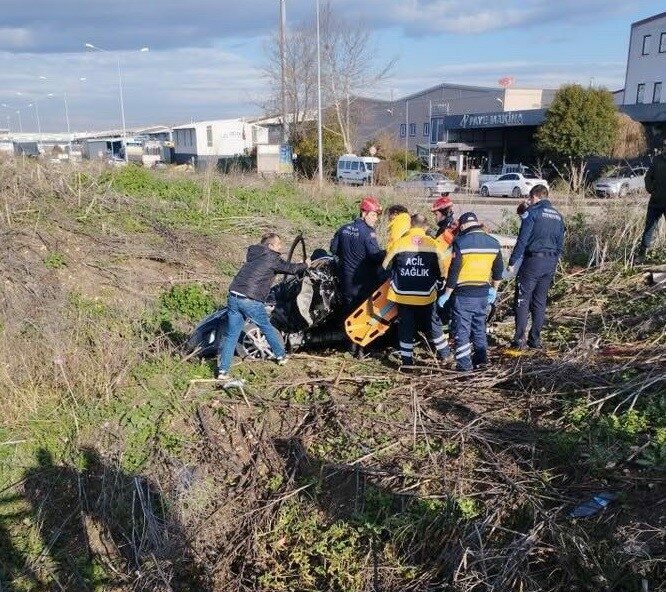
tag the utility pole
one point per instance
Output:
(406, 132)
(320, 139)
(283, 68)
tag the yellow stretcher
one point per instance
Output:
(372, 318)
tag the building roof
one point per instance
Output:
(649, 19)
(211, 122)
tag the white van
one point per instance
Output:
(356, 170)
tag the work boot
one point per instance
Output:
(443, 355)
(520, 345)
(534, 344)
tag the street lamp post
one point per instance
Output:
(120, 81)
(320, 139)
(283, 72)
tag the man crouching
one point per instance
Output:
(247, 294)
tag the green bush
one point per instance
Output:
(188, 301)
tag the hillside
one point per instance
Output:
(119, 473)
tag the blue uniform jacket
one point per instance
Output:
(359, 258)
(541, 231)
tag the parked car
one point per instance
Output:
(513, 184)
(430, 183)
(621, 182)
(505, 169)
(356, 170)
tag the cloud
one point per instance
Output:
(64, 25)
(170, 86)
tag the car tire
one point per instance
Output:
(484, 191)
(624, 191)
(252, 343)
(516, 192)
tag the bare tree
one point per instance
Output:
(349, 68)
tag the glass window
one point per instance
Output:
(403, 130)
(640, 93)
(505, 178)
(412, 130)
(646, 44)
(209, 135)
(656, 93)
(355, 165)
(662, 43)
(426, 130)
(368, 166)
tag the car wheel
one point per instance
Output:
(624, 191)
(516, 192)
(252, 343)
(484, 191)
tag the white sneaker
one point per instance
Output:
(281, 361)
(222, 375)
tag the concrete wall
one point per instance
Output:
(650, 68)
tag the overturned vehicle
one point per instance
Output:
(304, 309)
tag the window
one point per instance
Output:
(403, 130)
(426, 130)
(656, 93)
(412, 130)
(662, 43)
(355, 165)
(209, 135)
(646, 44)
(505, 178)
(640, 93)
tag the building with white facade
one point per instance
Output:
(204, 142)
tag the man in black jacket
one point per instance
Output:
(655, 184)
(247, 294)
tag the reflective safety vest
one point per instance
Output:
(416, 262)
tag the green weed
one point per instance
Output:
(55, 260)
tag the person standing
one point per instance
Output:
(539, 245)
(247, 294)
(416, 264)
(655, 185)
(474, 275)
(358, 254)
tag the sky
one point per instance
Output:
(205, 57)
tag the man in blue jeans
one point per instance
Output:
(247, 294)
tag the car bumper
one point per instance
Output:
(604, 191)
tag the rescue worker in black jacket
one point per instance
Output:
(247, 294)
(539, 245)
(358, 255)
(655, 184)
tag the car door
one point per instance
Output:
(499, 187)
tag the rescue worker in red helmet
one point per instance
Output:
(447, 228)
(359, 255)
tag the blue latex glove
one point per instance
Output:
(443, 299)
(492, 295)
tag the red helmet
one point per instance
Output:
(441, 203)
(370, 204)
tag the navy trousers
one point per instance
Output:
(469, 331)
(654, 214)
(439, 330)
(411, 317)
(532, 283)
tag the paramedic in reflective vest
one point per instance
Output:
(415, 262)
(358, 255)
(475, 273)
(447, 227)
(539, 245)
(399, 223)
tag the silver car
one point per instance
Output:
(621, 182)
(429, 183)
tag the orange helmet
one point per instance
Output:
(441, 203)
(370, 204)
